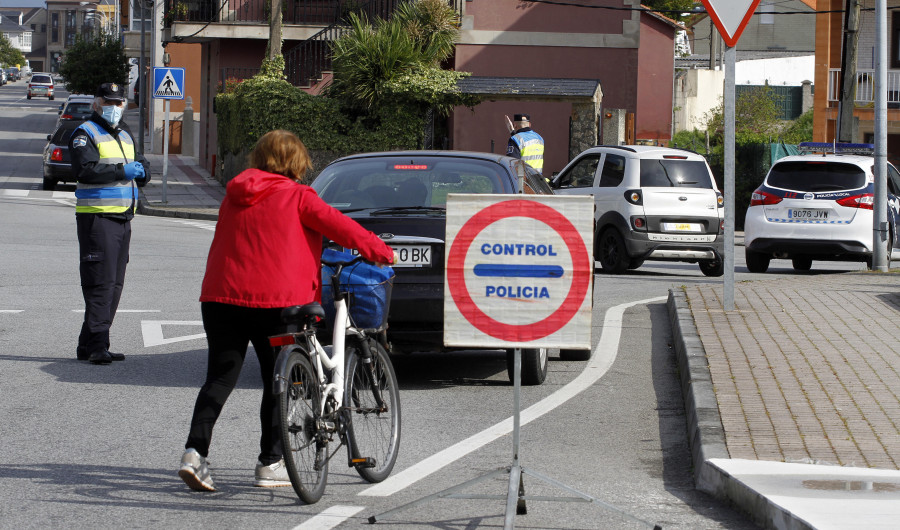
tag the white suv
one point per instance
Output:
(652, 203)
(818, 207)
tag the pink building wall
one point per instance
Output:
(656, 60)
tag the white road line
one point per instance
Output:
(602, 359)
(11, 310)
(152, 331)
(14, 193)
(329, 518)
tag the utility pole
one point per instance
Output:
(848, 72)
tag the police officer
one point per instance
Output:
(524, 143)
(107, 167)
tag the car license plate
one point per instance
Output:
(413, 255)
(813, 215)
(682, 227)
(39, 90)
(409, 255)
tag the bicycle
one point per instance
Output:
(318, 402)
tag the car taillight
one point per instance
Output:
(634, 197)
(51, 87)
(865, 201)
(760, 198)
(721, 226)
(720, 200)
(57, 155)
(639, 223)
(66, 117)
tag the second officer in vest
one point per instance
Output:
(524, 142)
(108, 168)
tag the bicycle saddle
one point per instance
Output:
(297, 313)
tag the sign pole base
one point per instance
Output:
(515, 497)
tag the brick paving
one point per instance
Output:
(806, 369)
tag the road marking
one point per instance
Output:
(14, 193)
(208, 225)
(11, 310)
(153, 333)
(329, 518)
(602, 359)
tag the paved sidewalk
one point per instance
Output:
(793, 398)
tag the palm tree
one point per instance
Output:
(368, 57)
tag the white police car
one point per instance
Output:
(818, 206)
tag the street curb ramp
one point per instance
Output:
(706, 435)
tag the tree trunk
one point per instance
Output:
(275, 16)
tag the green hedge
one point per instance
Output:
(261, 104)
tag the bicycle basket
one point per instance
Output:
(369, 287)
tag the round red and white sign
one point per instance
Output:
(519, 270)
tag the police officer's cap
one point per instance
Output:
(111, 92)
(521, 117)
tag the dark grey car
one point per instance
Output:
(402, 197)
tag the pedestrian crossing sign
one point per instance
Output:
(168, 83)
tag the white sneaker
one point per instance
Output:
(272, 475)
(195, 471)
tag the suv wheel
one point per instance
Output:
(801, 263)
(756, 261)
(611, 252)
(535, 362)
(712, 268)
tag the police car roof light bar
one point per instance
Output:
(836, 148)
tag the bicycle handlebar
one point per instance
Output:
(358, 258)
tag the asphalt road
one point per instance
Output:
(98, 446)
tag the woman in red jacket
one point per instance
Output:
(264, 257)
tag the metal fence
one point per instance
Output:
(788, 99)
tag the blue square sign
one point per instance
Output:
(168, 83)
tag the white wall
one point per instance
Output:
(696, 92)
(784, 71)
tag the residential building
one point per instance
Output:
(612, 56)
(629, 50)
(829, 43)
(11, 28)
(776, 48)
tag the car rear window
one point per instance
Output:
(61, 136)
(41, 79)
(404, 182)
(78, 109)
(816, 176)
(668, 173)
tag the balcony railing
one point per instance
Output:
(865, 87)
(298, 12)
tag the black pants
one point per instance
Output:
(103, 248)
(229, 329)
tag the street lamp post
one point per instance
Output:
(142, 82)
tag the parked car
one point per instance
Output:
(76, 107)
(13, 74)
(41, 85)
(402, 197)
(57, 162)
(652, 203)
(819, 206)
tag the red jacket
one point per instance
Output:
(268, 243)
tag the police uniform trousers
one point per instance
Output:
(103, 244)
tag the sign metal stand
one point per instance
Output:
(168, 83)
(516, 499)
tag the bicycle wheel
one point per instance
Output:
(373, 400)
(305, 452)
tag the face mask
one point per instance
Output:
(112, 114)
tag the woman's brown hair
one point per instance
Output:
(281, 152)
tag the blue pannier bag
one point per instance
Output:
(369, 287)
